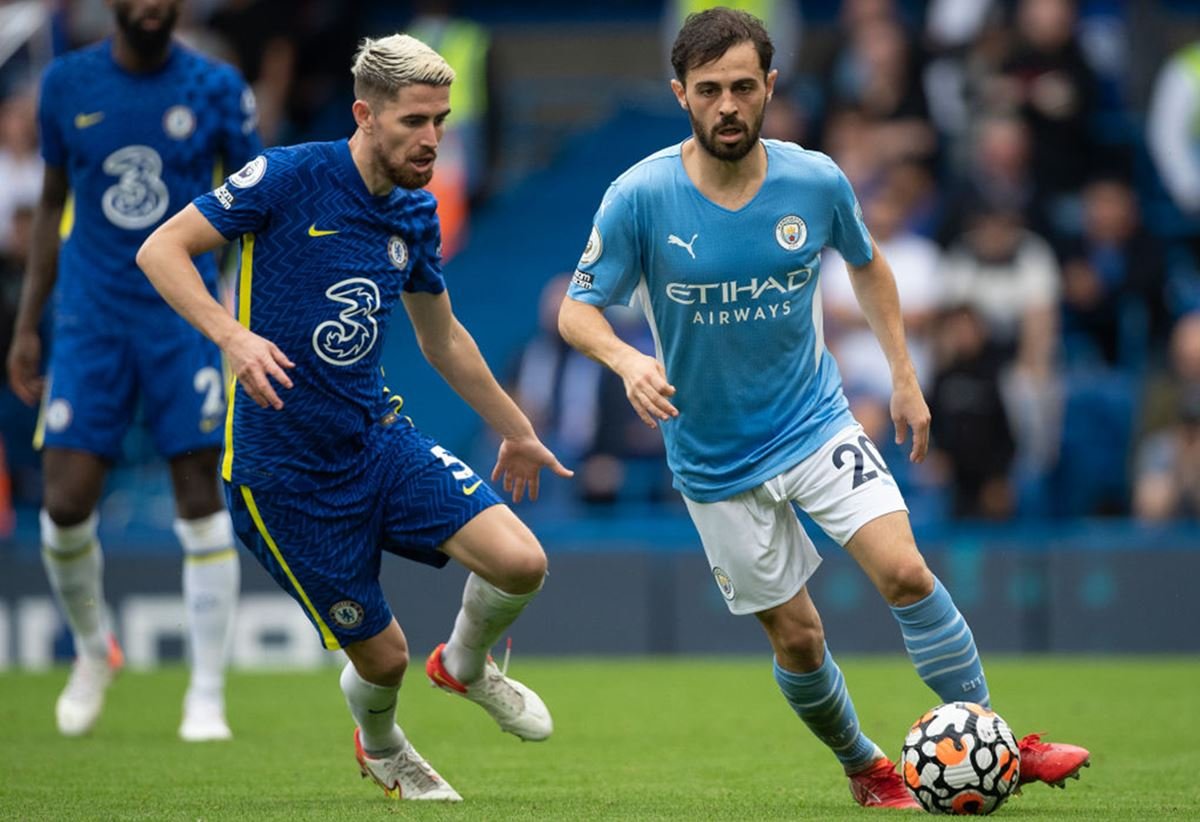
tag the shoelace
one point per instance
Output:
(410, 769)
(495, 684)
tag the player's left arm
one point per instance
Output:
(875, 287)
(451, 349)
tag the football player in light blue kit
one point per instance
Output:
(720, 238)
(325, 475)
(134, 128)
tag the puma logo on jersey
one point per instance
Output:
(673, 240)
(313, 231)
(83, 120)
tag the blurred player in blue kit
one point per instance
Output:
(324, 474)
(720, 238)
(134, 128)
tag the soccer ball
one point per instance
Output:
(960, 758)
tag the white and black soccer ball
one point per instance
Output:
(960, 758)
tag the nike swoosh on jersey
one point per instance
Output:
(313, 231)
(83, 120)
(470, 489)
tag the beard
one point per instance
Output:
(729, 152)
(404, 176)
(147, 42)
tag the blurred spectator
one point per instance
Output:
(878, 75)
(1165, 394)
(469, 152)
(915, 261)
(474, 97)
(20, 163)
(998, 173)
(1171, 128)
(583, 412)
(1168, 469)
(971, 432)
(1010, 276)
(1113, 280)
(260, 35)
(1054, 88)
(20, 465)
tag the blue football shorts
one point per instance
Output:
(98, 374)
(407, 496)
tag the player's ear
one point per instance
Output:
(680, 93)
(362, 115)
(772, 76)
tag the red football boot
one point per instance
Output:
(1051, 762)
(879, 786)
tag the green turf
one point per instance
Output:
(634, 739)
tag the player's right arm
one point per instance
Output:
(607, 274)
(166, 258)
(41, 272)
(586, 329)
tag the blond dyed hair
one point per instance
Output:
(385, 65)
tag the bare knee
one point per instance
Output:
(382, 669)
(907, 582)
(524, 570)
(798, 639)
(67, 505)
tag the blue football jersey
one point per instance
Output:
(733, 302)
(323, 265)
(136, 149)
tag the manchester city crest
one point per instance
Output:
(791, 232)
(723, 582)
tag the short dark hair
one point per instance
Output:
(706, 35)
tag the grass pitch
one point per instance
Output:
(634, 740)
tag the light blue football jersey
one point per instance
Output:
(733, 300)
(136, 149)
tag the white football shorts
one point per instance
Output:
(759, 553)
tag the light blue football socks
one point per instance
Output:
(820, 699)
(942, 648)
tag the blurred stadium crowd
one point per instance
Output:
(1031, 168)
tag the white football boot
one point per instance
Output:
(204, 720)
(80, 703)
(404, 775)
(515, 707)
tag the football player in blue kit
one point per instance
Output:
(325, 473)
(133, 128)
(720, 238)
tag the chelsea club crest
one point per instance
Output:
(398, 252)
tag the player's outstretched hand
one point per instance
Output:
(24, 364)
(256, 361)
(647, 388)
(909, 410)
(520, 462)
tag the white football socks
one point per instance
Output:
(486, 611)
(374, 709)
(211, 575)
(75, 566)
